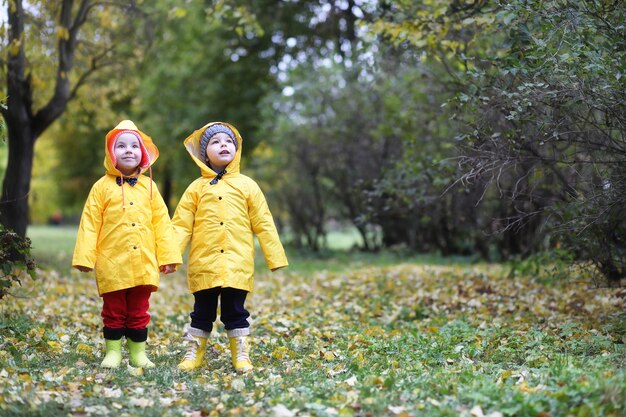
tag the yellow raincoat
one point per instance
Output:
(221, 221)
(125, 232)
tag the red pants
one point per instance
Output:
(127, 308)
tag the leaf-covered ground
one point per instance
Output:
(405, 340)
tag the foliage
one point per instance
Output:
(348, 134)
(539, 99)
(396, 340)
(374, 145)
(375, 148)
(551, 130)
(547, 266)
(15, 260)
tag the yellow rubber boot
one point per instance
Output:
(138, 357)
(195, 353)
(113, 356)
(240, 353)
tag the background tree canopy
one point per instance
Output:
(491, 129)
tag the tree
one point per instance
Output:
(540, 100)
(352, 140)
(550, 126)
(81, 50)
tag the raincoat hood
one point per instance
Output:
(192, 144)
(149, 151)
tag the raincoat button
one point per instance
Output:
(131, 203)
(221, 223)
(133, 224)
(222, 251)
(134, 247)
(219, 198)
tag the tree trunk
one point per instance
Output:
(167, 190)
(16, 185)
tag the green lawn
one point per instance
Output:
(344, 335)
(52, 245)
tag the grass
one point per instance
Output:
(343, 335)
(52, 246)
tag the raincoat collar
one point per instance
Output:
(192, 144)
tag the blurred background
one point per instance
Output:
(488, 130)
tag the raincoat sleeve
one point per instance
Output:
(185, 215)
(264, 228)
(166, 246)
(88, 231)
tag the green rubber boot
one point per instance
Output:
(138, 357)
(113, 356)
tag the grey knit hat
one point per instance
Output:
(212, 131)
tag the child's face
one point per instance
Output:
(220, 151)
(128, 153)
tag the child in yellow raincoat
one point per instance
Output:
(125, 233)
(220, 213)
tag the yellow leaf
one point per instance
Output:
(83, 348)
(506, 374)
(25, 377)
(54, 345)
(63, 33)
(177, 13)
(135, 372)
(525, 388)
(374, 331)
(14, 48)
(378, 381)
(280, 352)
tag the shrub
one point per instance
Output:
(15, 260)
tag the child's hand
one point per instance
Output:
(167, 269)
(83, 268)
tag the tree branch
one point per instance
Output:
(81, 16)
(93, 68)
(19, 90)
(66, 47)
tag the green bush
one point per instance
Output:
(15, 260)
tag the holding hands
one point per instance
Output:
(167, 269)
